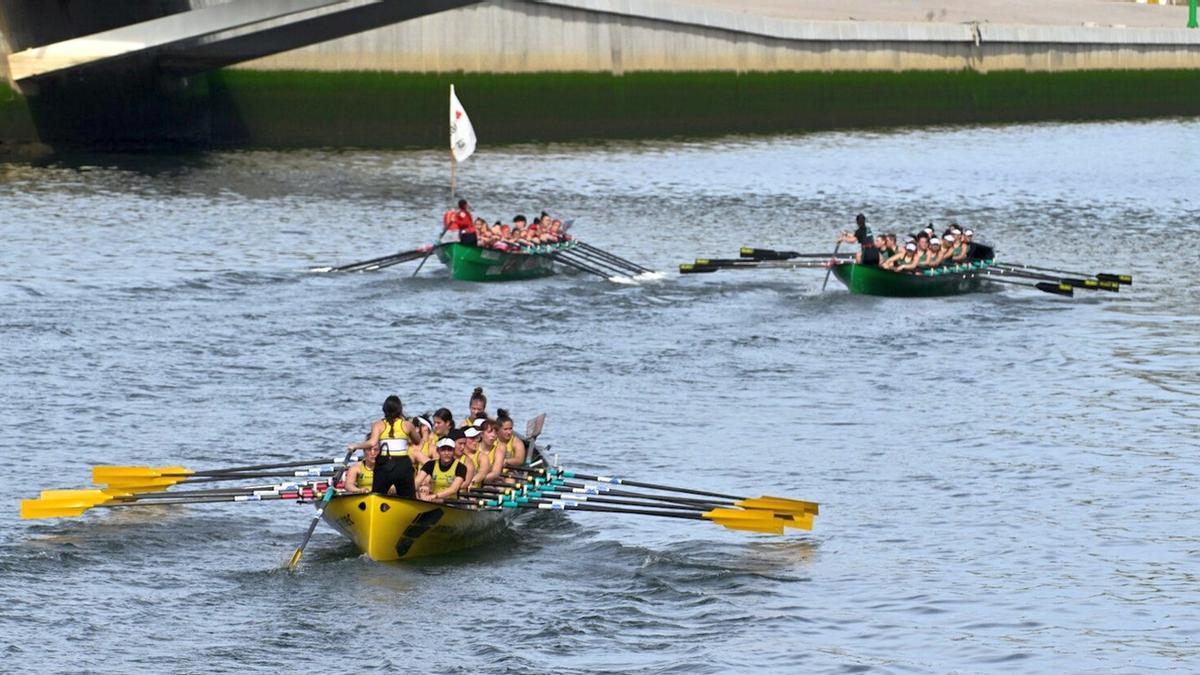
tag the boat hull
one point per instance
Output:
(388, 528)
(866, 280)
(471, 263)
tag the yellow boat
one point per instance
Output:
(390, 528)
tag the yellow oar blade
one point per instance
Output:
(109, 474)
(800, 521)
(36, 508)
(781, 504)
(92, 497)
(142, 485)
(750, 521)
(295, 560)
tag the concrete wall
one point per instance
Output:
(618, 36)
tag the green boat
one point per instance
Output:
(952, 280)
(471, 263)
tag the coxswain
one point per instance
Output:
(442, 477)
(514, 448)
(361, 476)
(868, 255)
(393, 472)
(461, 222)
(477, 406)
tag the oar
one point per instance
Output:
(730, 518)
(781, 503)
(1089, 284)
(106, 474)
(67, 508)
(628, 264)
(101, 496)
(381, 261)
(575, 255)
(1056, 289)
(830, 270)
(785, 509)
(747, 262)
(135, 485)
(1124, 279)
(320, 511)
(574, 264)
(771, 254)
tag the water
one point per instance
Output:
(1007, 479)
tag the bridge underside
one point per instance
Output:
(138, 84)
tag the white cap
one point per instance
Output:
(934, 241)
(948, 237)
(968, 232)
(471, 432)
(910, 246)
(445, 443)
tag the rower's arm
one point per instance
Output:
(450, 491)
(351, 484)
(518, 458)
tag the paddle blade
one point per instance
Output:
(128, 474)
(295, 561)
(800, 521)
(781, 504)
(1116, 278)
(749, 521)
(36, 508)
(92, 497)
(135, 486)
(690, 268)
(1056, 289)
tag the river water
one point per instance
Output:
(1008, 480)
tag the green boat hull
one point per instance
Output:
(471, 263)
(865, 280)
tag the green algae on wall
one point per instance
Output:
(16, 126)
(386, 109)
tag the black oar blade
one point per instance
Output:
(765, 254)
(689, 268)
(1116, 278)
(1057, 289)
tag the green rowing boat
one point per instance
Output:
(471, 263)
(953, 280)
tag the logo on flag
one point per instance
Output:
(462, 134)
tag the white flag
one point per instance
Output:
(462, 134)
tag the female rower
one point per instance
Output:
(898, 257)
(442, 477)
(476, 458)
(425, 448)
(361, 476)
(393, 473)
(478, 406)
(489, 444)
(514, 448)
(460, 452)
(934, 252)
(908, 259)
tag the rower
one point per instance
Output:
(361, 476)
(476, 459)
(391, 436)
(445, 476)
(426, 441)
(477, 405)
(460, 452)
(898, 256)
(489, 444)
(935, 252)
(514, 448)
(908, 261)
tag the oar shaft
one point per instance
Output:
(615, 258)
(320, 511)
(592, 260)
(632, 483)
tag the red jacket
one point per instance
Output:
(459, 219)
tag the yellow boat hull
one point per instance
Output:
(388, 528)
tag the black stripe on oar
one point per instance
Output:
(1115, 278)
(1056, 289)
(689, 268)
